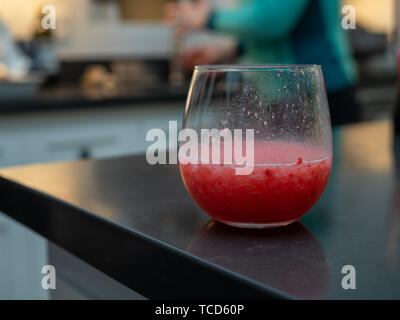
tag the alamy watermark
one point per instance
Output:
(49, 278)
(49, 18)
(231, 143)
(349, 280)
(349, 18)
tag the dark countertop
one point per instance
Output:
(62, 97)
(137, 224)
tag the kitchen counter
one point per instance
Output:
(136, 223)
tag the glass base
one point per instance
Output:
(257, 225)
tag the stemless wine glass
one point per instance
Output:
(256, 147)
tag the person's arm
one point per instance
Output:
(267, 19)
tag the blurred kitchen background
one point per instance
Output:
(94, 86)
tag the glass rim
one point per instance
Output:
(253, 67)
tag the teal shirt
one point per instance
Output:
(292, 31)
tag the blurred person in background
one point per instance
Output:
(277, 31)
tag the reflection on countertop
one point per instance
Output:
(289, 259)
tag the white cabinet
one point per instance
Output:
(69, 135)
(27, 138)
(23, 254)
(12, 146)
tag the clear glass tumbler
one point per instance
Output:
(256, 147)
